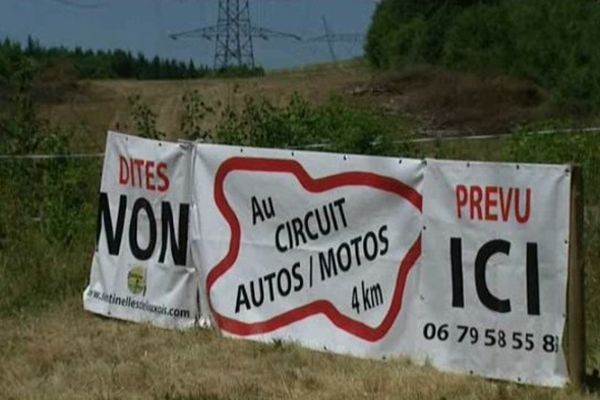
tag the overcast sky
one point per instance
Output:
(144, 25)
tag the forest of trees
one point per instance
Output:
(107, 64)
(553, 43)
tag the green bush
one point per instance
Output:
(47, 219)
(300, 125)
(561, 148)
(396, 20)
(552, 43)
(473, 45)
(46, 231)
(407, 44)
(193, 114)
(144, 118)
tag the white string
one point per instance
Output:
(49, 156)
(441, 138)
(325, 145)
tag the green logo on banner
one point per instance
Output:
(136, 280)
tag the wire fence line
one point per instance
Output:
(49, 156)
(434, 136)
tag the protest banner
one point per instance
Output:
(142, 269)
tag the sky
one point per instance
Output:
(144, 26)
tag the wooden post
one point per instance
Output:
(575, 291)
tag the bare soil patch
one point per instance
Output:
(456, 103)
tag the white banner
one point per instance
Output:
(315, 248)
(142, 269)
(494, 269)
(462, 265)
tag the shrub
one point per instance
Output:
(335, 126)
(552, 43)
(473, 45)
(144, 118)
(193, 114)
(560, 148)
(397, 18)
(47, 217)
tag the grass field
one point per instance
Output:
(51, 349)
(65, 353)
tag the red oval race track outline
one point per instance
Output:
(311, 185)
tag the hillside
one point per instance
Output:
(436, 102)
(103, 104)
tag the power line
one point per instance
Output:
(329, 35)
(233, 35)
(330, 38)
(75, 4)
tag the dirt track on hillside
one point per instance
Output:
(101, 105)
(441, 103)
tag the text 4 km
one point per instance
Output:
(369, 296)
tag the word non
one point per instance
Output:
(143, 209)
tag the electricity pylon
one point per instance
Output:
(330, 37)
(233, 35)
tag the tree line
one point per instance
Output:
(553, 43)
(107, 64)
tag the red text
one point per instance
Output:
(493, 203)
(143, 174)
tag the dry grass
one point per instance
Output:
(438, 100)
(102, 105)
(460, 102)
(65, 353)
